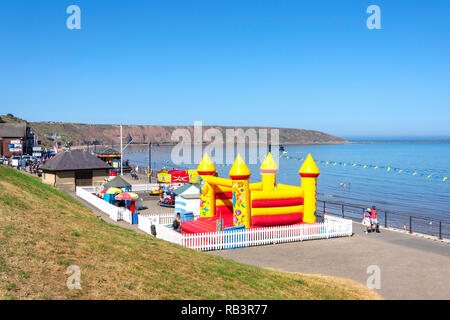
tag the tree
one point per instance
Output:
(10, 115)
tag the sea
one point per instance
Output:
(405, 178)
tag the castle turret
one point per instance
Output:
(309, 173)
(207, 194)
(206, 166)
(269, 171)
(240, 174)
(239, 170)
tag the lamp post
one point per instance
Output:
(121, 152)
(149, 162)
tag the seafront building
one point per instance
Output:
(110, 156)
(16, 139)
(69, 169)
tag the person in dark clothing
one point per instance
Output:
(176, 225)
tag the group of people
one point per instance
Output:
(29, 166)
(370, 220)
(33, 166)
(134, 175)
(344, 185)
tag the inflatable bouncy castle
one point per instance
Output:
(251, 205)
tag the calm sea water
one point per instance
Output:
(392, 190)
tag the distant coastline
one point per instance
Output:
(109, 134)
(396, 141)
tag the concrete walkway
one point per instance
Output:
(411, 267)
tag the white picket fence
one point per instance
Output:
(164, 218)
(161, 222)
(150, 186)
(85, 194)
(126, 215)
(163, 231)
(145, 223)
(143, 187)
(115, 213)
(331, 227)
(338, 227)
(118, 213)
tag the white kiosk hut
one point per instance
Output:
(187, 199)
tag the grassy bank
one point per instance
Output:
(43, 231)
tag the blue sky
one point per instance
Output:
(299, 64)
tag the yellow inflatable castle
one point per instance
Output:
(250, 205)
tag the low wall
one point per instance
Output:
(115, 213)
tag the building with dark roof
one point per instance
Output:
(16, 139)
(118, 182)
(75, 168)
(110, 156)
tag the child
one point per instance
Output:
(366, 220)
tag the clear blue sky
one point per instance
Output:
(300, 64)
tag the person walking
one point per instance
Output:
(374, 220)
(366, 220)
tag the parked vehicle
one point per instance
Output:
(16, 161)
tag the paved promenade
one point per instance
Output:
(411, 267)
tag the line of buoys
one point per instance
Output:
(337, 163)
(387, 168)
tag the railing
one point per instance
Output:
(412, 223)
